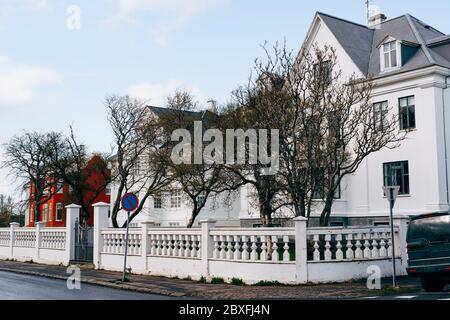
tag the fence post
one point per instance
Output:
(39, 226)
(13, 226)
(72, 218)
(145, 225)
(101, 221)
(207, 244)
(301, 251)
(402, 223)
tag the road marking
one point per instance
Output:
(448, 299)
(405, 297)
(367, 298)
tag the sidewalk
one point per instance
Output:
(191, 289)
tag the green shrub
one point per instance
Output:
(216, 280)
(237, 282)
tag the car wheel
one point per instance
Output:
(433, 284)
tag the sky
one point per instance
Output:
(59, 59)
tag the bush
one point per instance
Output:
(267, 284)
(217, 280)
(237, 282)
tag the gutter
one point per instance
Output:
(445, 139)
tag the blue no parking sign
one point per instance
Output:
(130, 202)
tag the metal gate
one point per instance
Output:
(84, 247)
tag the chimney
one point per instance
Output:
(212, 106)
(376, 20)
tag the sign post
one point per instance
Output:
(391, 195)
(129, 203)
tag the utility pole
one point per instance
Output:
(367, 10)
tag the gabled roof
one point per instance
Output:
(361, 42)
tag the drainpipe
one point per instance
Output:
(445, 139)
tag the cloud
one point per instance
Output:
(180, 12)
(19, 82)
(156, 93)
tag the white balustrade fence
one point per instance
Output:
(40, 244)
(288, 255)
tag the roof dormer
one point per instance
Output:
(390, 54)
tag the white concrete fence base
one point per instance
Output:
(296, 255)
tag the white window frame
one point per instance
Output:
(398, 49)
(59, 204)
(108, 189)
(157, 202)
(60, 186)
(175, 200)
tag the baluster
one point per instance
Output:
(237, 248)
(327, 254)
(194, 246)
(390, 247)
(245, 255)
(222, 247)
(375, 251)
(349, 254)
(316, 254)
(263, 256)
(158, 245)
(339, 253)
(383, 251)
(367, 252)
(253, 254)
(199, 246)
(286, 255)
(176, 246)
(188, 251)
(182, 245)
(274, 254)
(169, 245)
(216, 247)
(358, 251)
(229, 248)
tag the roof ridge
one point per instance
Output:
(344, 20)
(419, 38)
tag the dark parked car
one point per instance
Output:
(429, 250)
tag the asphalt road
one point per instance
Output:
(24, 287)
(444, 296)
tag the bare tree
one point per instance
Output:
(327, 124)
(140, 162)
(28, 158)
(198, 181)
(87, 175)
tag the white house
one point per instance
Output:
(409, 62)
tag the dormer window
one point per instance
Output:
(390, 55)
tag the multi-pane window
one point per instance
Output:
(407, 113)
(175, 199)
(59, 211)
(390, 55)
(60, 186)
(157, 202)
(397, 174)
(45, 213)
(323, 73)
(380, 110)
(201, 198)
(108, 189)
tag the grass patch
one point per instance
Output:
(389, 290)
(216, 280)
(237, 282)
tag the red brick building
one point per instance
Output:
(53, 211)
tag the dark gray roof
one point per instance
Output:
(362, 43)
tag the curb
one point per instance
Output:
(114, 285)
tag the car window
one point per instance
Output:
(435, 228)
